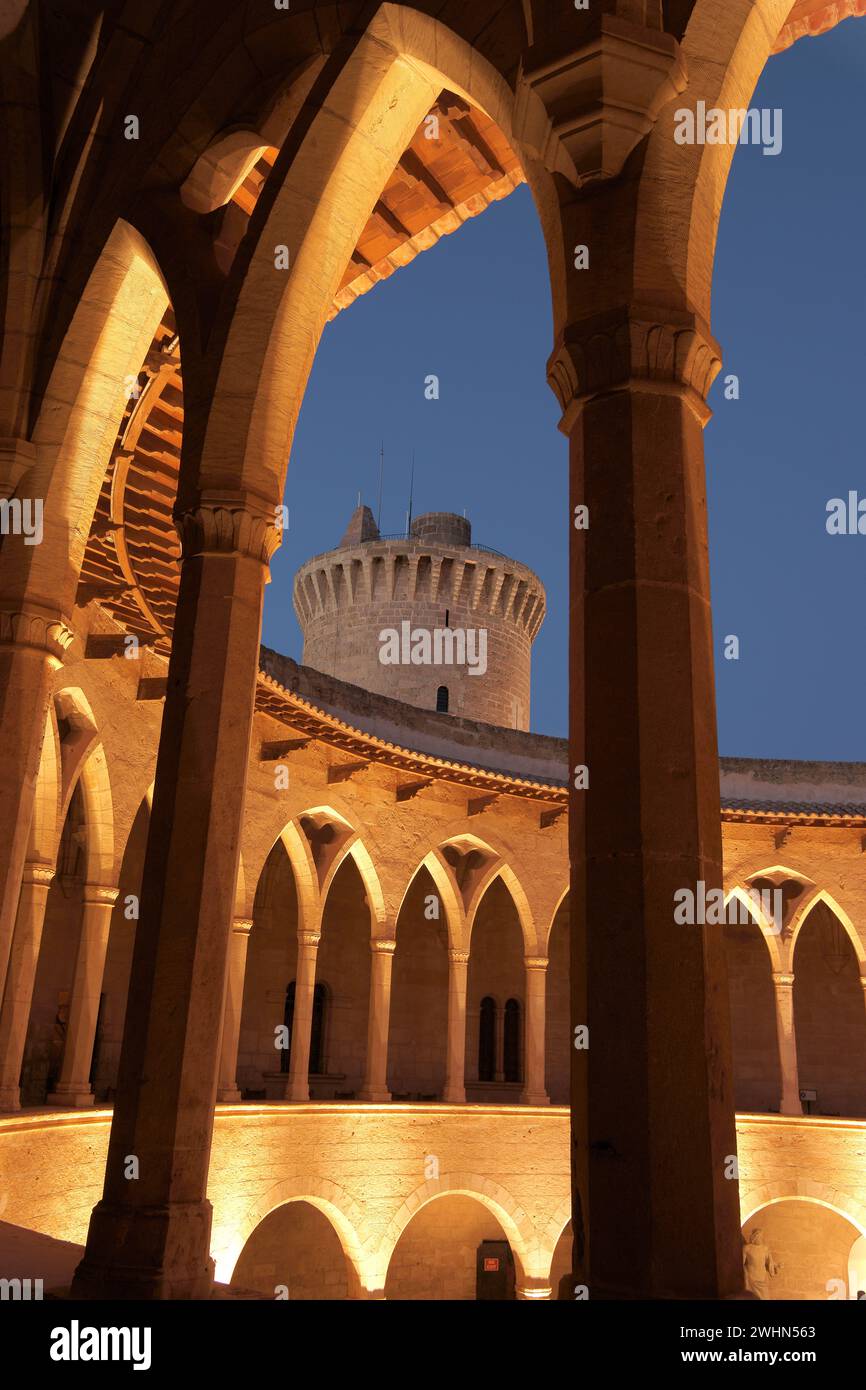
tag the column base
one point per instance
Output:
(282, 1086)
(74, 1096)
(10, 1098)
(534, 1291)
(454, 1095)
(229, 1096)
(534, 1098)
(790, 1105)
(375, 1097)
(147, 1253)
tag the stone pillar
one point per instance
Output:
(375, 1086)
(33, 642)
(20, 979)
(73, 1088)
(302, 1019)
(499, 1059)
(150, 1238)
(652, 1097)
(455, 1060)
(534, 1090)
(790, 1103)
(227, 1091)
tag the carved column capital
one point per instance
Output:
(457, 957)
(382, 946)
(783, 979)
(26, 625)
(309, 938)
(603, 95)
(100, 895)
(229, 524)
(242, 926)
(42, 874)
(633, 348)
(536, 962)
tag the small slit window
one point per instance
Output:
(511, 1041)
(487, 1039)
(442, 700)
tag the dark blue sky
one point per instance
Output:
(789, 312)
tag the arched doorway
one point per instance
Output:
(755, 1044)
(436, 1255)
(270, 970)
(417, 1036)
(829, 1017)
(294, 1253)
(344, 964)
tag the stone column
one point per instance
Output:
(20, 979)
(33, 643)
(790, 1103)
(534, 1090)
(499, 1060)
(455, 1060)
(73, 1088)
(652, 1113)
(150, 1238)
(375, 1086)
(302, 1019)
(227, 1091)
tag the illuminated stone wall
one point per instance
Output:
(365, 1168)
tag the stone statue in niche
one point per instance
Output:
(759, 1266)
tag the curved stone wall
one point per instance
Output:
(479, 611)
(371, 1168)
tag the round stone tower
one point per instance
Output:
(427, 618)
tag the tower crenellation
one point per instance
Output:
(428, 618)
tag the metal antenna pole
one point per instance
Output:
(381, 471)
(411, 490)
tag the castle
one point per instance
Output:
(399, 950)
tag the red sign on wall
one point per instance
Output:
(491, 1266)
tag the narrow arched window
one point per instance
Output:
(442, 700)
(487, 1039)
(511, 1041)
(288, 1020)
(317, 1031)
